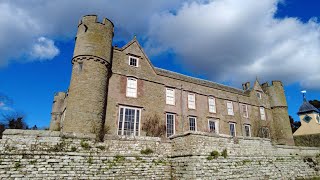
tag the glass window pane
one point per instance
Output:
(212, 127)
(170, 124)
(192, 124)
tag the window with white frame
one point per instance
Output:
(131, 87)
(170, 118)
(247, 130)
(192, 124)
(170, 96)
(259, 95)
(245, 110)
(232, 128)
(133, 61)
(191, 101)
(129, 121)
(262, 113)
(212, 104)
(213, 126)
(230, 108)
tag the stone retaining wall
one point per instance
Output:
(246, 158)
(52, 155)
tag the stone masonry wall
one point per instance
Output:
(52, 155)
(49, 155)
(247, 158)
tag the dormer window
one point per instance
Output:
(259, 95)
(133, 61)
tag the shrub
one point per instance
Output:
(138, 158)
(84, 145)
(119, 158)
(101, 147)
(214, 154)
(90, 160)
(153, 127)
(33, 162)
(224, 153)
(209, 158)
(312, 140)
(247, 161)
(73, 149)
(17, 165)
(146, 151)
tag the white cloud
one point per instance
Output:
(232, 40)
(44, 48)
(4, 107)
(23, 22)
(19, 29)
(225, 40)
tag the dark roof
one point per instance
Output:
(198, 81)
(306, 107)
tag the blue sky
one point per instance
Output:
(227, 41)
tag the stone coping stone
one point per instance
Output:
(47, 133)
(188, 133)
(41, 133)
(78, 135)
(134, 138)
(297, 147)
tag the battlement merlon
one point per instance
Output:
(94, 19)
(94, 39)
(277, 94)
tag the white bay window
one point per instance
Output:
(129, 121)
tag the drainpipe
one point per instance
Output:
(241, 125)
(182, 115)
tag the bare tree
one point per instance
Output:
(153, 127)
(12, 120)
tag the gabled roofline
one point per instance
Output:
(134, 40)
(186, 78)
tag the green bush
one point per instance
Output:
(84, 145)
(17, 165)
(73, 149)
(119, 158)
(33, 162)
(146, 151)
(224, 153)
(210, 158)
(312, 140)
(90, 160)
(101, 147)
(214, 154)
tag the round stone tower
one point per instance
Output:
(91, 69)
(281, 128)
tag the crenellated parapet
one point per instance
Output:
(94, 38)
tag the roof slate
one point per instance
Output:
(306, 107)
(198, 81)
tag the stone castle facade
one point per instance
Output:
(116, 90)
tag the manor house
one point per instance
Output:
(118, 91)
